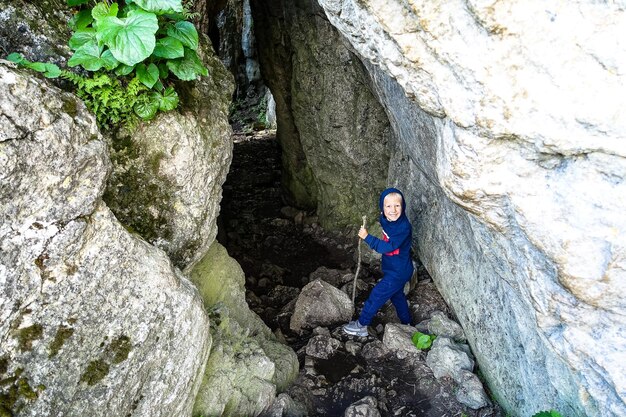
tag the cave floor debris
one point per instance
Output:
(281, 249)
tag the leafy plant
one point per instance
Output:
(134, 48)
(551, 413)
(422, 341)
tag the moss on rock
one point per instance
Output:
(28, 335)
(62, 334)
(95, 372)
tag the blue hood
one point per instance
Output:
(386, 193)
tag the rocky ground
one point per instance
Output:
(297, 278)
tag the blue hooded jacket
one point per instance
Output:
(396, 242)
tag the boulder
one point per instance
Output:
(365, 407)
(284, 406)
(397, 338)
(440, 325)
(320, 304)
(322, 347)
(93, 320)
(471, 392)
(445, 358)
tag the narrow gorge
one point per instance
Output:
(201, 263)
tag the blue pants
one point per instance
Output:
(390, 287)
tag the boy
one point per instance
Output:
(396, 262)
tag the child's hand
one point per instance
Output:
(363, 232)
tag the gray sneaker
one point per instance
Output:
(356, 329)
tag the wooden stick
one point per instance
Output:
(358, 267)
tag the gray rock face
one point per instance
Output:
(322, 346)
(320, 304)
(94, 321)
(515, 185)
(332, 131)
(37, 30)
(169, 190)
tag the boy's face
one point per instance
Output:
(392, 207)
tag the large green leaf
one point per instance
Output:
(73, 3)
(89, 56)
(147, 107)
(17, 58)
(109, 61)
(185, 32)
(169, 48)
(187, 68)
(124, 69)
(131, 40)
(147, 75)
(102, 10)
(81, 20)
(160, 6)
(169, 99)
(81, 37)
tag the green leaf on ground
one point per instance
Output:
(169, 48)
(148, 75)
(160, 6)
(189, 67)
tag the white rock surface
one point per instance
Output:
(98, 321)
(510, 143)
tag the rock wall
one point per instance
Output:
(247, 366)
(167, 175)
(332, 130)
(93, 320)
(515, 181)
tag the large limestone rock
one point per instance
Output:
(93, 320)
(168, 174)
(515, 181)
(320, 304)
(332, 130)
(247, 366)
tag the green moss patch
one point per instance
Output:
(61, 336)
(138, 195)
(95, 372)
(28, 335)
(15, 391)
(119, 349)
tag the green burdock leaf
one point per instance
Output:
(147, 75)
(81, 20)
(163, 70)
(131, 40)
(185, 32)
(81, 37)
(147, 107)
(169, 48)
(189, 67)
(73, 3)
(102, 10)
(17, 58)
(551, 413)
(89, 56)
(422, 341)
(124, 69)
(109, 61)
(160, 6)
(169, 100)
